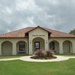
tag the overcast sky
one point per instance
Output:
(54, 14)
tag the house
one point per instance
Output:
(31, 38)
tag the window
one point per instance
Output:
(21, 46)
(52, 46)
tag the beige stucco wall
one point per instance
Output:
(38, 33)
(14, 44)
(61, 40)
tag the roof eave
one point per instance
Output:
(11, 37)
(62, 37)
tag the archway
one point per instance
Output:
(54, 45)
(38, 43)
(21, 47)
(7, 48)
(67, 47)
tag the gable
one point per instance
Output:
(38, 32)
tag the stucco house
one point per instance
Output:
(31, 38)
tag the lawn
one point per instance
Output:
(12, 56)
(66, 54)
(18, 67)
(3, 57)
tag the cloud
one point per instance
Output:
(55, 14)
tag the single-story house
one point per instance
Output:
(31, 38)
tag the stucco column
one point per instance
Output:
(0, 50)
(46, 45)
(30, 47)
(14, 51)
(73, 44)
(60, 48)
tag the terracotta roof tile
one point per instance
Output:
(56, 33)
(17, 33)
(21, 33)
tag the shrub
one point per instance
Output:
(43, 54)
(39, 54)
(49, 53)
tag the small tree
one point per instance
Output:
(72, 31)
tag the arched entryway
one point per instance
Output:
(7, 48)
(38, 43)
(67, 47)
(21, 47)
(54, 45)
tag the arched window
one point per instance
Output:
(21, 47)
(54, 45)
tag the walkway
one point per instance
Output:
(27, 58)
(59, 58)
(7, 59)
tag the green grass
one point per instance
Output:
(18, 67)
(13, 56)
(3, 57)
(66, 54)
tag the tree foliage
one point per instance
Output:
(72, 31)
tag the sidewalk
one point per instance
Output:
(7, 59)
(27, 58)
(59, 58)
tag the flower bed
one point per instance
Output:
(43, 54)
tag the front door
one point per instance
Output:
(37, 45)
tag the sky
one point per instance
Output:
(53, 14)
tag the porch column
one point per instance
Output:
(30, 47)
(73, 44)
(60, 48)
(46, 45)
(0, 49)
(14, 52)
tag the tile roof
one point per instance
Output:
(21, 33)
(56, 33)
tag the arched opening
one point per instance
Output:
(21, 47)
(38, 43)
(6, 48)
(54, 45)
(67, 47)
